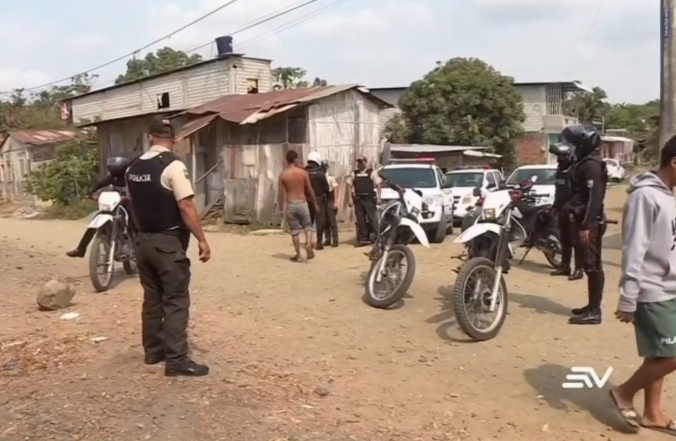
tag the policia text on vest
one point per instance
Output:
(162, 202)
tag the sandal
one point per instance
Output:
(627, 414)
(669, 429)
(295, 259)
(310, 252)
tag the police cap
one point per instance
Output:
(161, 128)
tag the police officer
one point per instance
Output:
(363, 199)
(320, 186)
(162, 202)
(589, 189)
(562, 195)
(331, 230)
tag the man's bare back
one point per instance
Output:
(295, 181)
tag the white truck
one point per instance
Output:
(437, 220)
(463, 181)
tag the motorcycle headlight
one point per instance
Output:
(489, 213)
(415, 212)
(105, 207)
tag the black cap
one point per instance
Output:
(162, 128)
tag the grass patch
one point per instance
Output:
(75, 211)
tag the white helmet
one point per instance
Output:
(315, 157)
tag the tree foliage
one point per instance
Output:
(461, 102)
(294, 78)
(66, 179)
(162, 60)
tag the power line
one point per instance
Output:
(259, 22)
(277, 30)
(131, 54)
(293, 23)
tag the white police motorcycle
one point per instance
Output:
(480, 289)
(392, 261)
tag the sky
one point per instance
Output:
(376, 43)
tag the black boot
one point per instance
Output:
(576, 275)
(580, 311)
(187, 368)
(327, 243)
(563, 271)
(77, 252)
(591, 314)
(334, 242)
(588, 317)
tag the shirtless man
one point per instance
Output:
(294, 193)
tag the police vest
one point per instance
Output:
(580, 186)
(363, 184)
(155, 207)
(563, 191)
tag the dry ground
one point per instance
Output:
(296, 355)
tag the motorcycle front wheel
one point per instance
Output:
(472, 297)
(395, 281)
(553, 251)
(99, 256)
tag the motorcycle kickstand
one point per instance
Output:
(525, 254)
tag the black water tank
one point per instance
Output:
(224, 45)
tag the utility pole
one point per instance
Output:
(667, 72)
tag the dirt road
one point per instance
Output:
(296, 355)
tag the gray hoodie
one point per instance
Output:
(648, 243)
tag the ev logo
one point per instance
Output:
(585, 377)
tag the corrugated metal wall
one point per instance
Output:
(534, 106)
(186, 88)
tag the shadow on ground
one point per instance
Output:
(546, 380)
(539, 304)
(445, 319)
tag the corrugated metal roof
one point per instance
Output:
(251, 108)
(431, 148)
(42, 137)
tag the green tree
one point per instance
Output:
(66, 179)
(162, 60)
(462, 102)
(588, 107)
(294, 78)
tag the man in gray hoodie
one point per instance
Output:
(648, 290)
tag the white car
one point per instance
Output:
(463, 181)
(615, 170)
(437, 221)
(545, 182)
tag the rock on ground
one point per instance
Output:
(55, 295)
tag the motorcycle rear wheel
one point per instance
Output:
(102, 282)
(371, 297)
(554, 258)
(466, 322)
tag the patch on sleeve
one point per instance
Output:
(590, 183)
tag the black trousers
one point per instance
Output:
(569, 242)
(592, 264)
(320, 217)
(365, 212)
(331, 231)
(164, 272)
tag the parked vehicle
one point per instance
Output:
(616, 172)
(545, 183)
(534, 221)
(423, 175)
(480, 288)
(463, 181)
(392, 261)
(112, 243)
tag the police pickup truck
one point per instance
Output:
(428, 178)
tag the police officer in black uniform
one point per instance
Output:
(162, 202)
(364, 201)
(562, 195)
(589, 189)
(320, 186)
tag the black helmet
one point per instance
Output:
(582, 140)
(117, 165)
